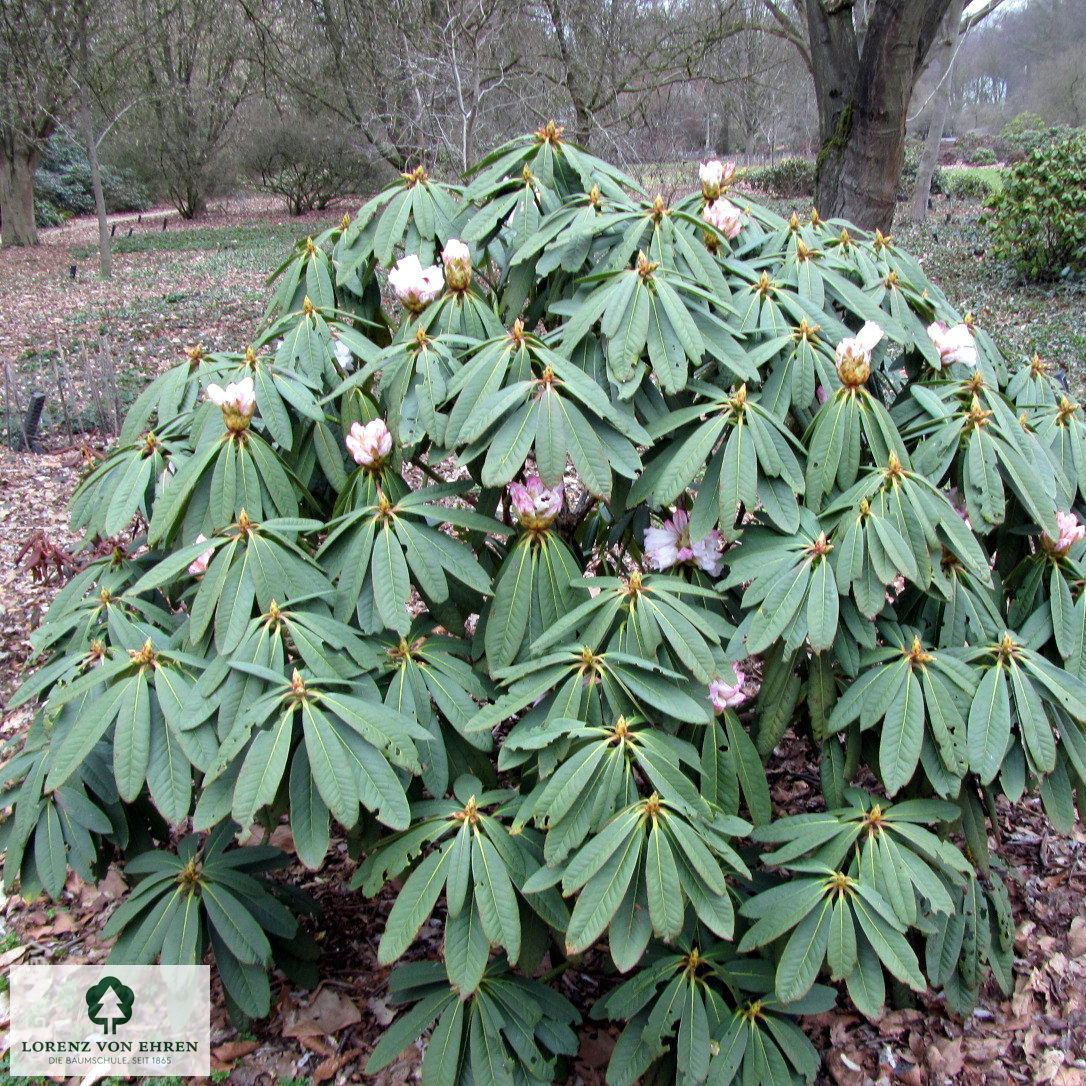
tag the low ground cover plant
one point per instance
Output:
(518, 582)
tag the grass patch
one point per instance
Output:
(992, 176)
(250, 237)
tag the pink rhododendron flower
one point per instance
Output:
(370, 444)
(199, 567)
(415, 285)
(958, 502)
(954, 344)
(725, 695)
(536, 506)
(1071, 531)
(725, 216)
(670, 545)
(821, 394)
(237, 402)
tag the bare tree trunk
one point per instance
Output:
(863, 92)
(104, 254)
(17, 168)
(939, 107)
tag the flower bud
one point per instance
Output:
(415, 286)
(456, 257)
(854, 355)
(536, 506)
(370, 445)
(237, 402)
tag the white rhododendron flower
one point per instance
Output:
(239, 395)
(861, 344)
(954, 344)
(854, 354)
(711, 172)
(455, 250)
(456, 257)
(670, 545)
(725, 216)
(536, 506)
(714, 176)
(344, 355)
(369, 444)
(199, 566)
(237, 402)
(725, 695)
(415, 285)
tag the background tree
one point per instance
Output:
(36, 38)
(194, 67)
(865, 60)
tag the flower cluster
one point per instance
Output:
(854, 355)
(370, 445)
(670, 545)
(456, 257)
(954, 344)
(415, 286)
(237, 402)
(536, 506)
(725, 695)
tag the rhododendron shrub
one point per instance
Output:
(540, 521)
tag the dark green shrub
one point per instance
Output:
(1027, 133)
(790, 178)
(1038, 220)
(706, 484)
(982, 156)
(63, 181)
(47, 213)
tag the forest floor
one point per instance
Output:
(99, 342)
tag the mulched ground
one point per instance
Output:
(1038, 1035)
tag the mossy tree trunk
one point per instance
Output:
(18, 162)
(864, 78)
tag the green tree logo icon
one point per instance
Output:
(109, 1003)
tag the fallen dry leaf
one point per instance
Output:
(327, 1068)
(326, 1013)
(232, 1050)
